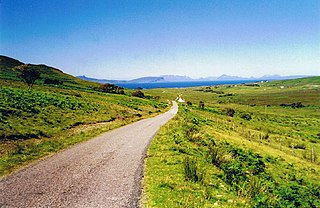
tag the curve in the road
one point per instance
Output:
(102, 172)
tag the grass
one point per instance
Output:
(20, 153)
(261, 160)
(45, 119)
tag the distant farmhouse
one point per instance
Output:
(179, 99)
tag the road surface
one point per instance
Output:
(103, 172)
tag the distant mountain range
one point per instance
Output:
(8, 66)
(177, 78)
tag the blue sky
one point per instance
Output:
(133, 38)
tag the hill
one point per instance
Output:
(254, 145)
(150, 79)
(147, 80)
(177, 78)
(308, 81)
(38, 121)
(102, 81)
(7, 62)
(10, 68)
(228, 77)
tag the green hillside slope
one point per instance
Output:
(254, 145)
(48, 117)
(8, 63)
(10, 69)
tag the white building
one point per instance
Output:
(179, 99)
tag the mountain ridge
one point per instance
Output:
(10, 68)
(179, 78)
(8, 64)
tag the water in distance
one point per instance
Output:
(152, 85)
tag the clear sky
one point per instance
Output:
(133, 38)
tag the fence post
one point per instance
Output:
(312, 155)
(292, 145)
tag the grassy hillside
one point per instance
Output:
(250, 146)
(10, 69)
(48, 117)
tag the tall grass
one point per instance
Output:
(192, 171)
(238, 174)
(40, 121)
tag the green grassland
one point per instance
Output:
(42, 120)
(259, 157)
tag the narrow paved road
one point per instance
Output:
(102, 172)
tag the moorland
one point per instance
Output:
(59, 110)
(250, 145)
(247, 145)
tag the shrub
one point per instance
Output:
(189, 103)
(216, 155)
(111, 88)
(246, 116)
(121, 92)
(230, 112)
(138, 93)
(157, 97)
(260, 191)
(295, 195)
(293, 105)
(53, 81)
(252, 85)
(297, 105)
(300, 146)
(192, 171)
(201, 105)
(29, 75)
(234, 172)
(192, 132)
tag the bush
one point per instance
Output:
(121, 92)
(157, 97)
(217, 156)
(260, 191)
(246, 116)
(201, 105)
(293, 105)
(189, 103)
(29, 75)
(53, 81)
(191, 170)
(293, 194)
(234, 173)
(300, 146)
(111, 88)
(138, 93)
(230, 112)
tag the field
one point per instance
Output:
(39, 121)
(254, 145)
(250, 145)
